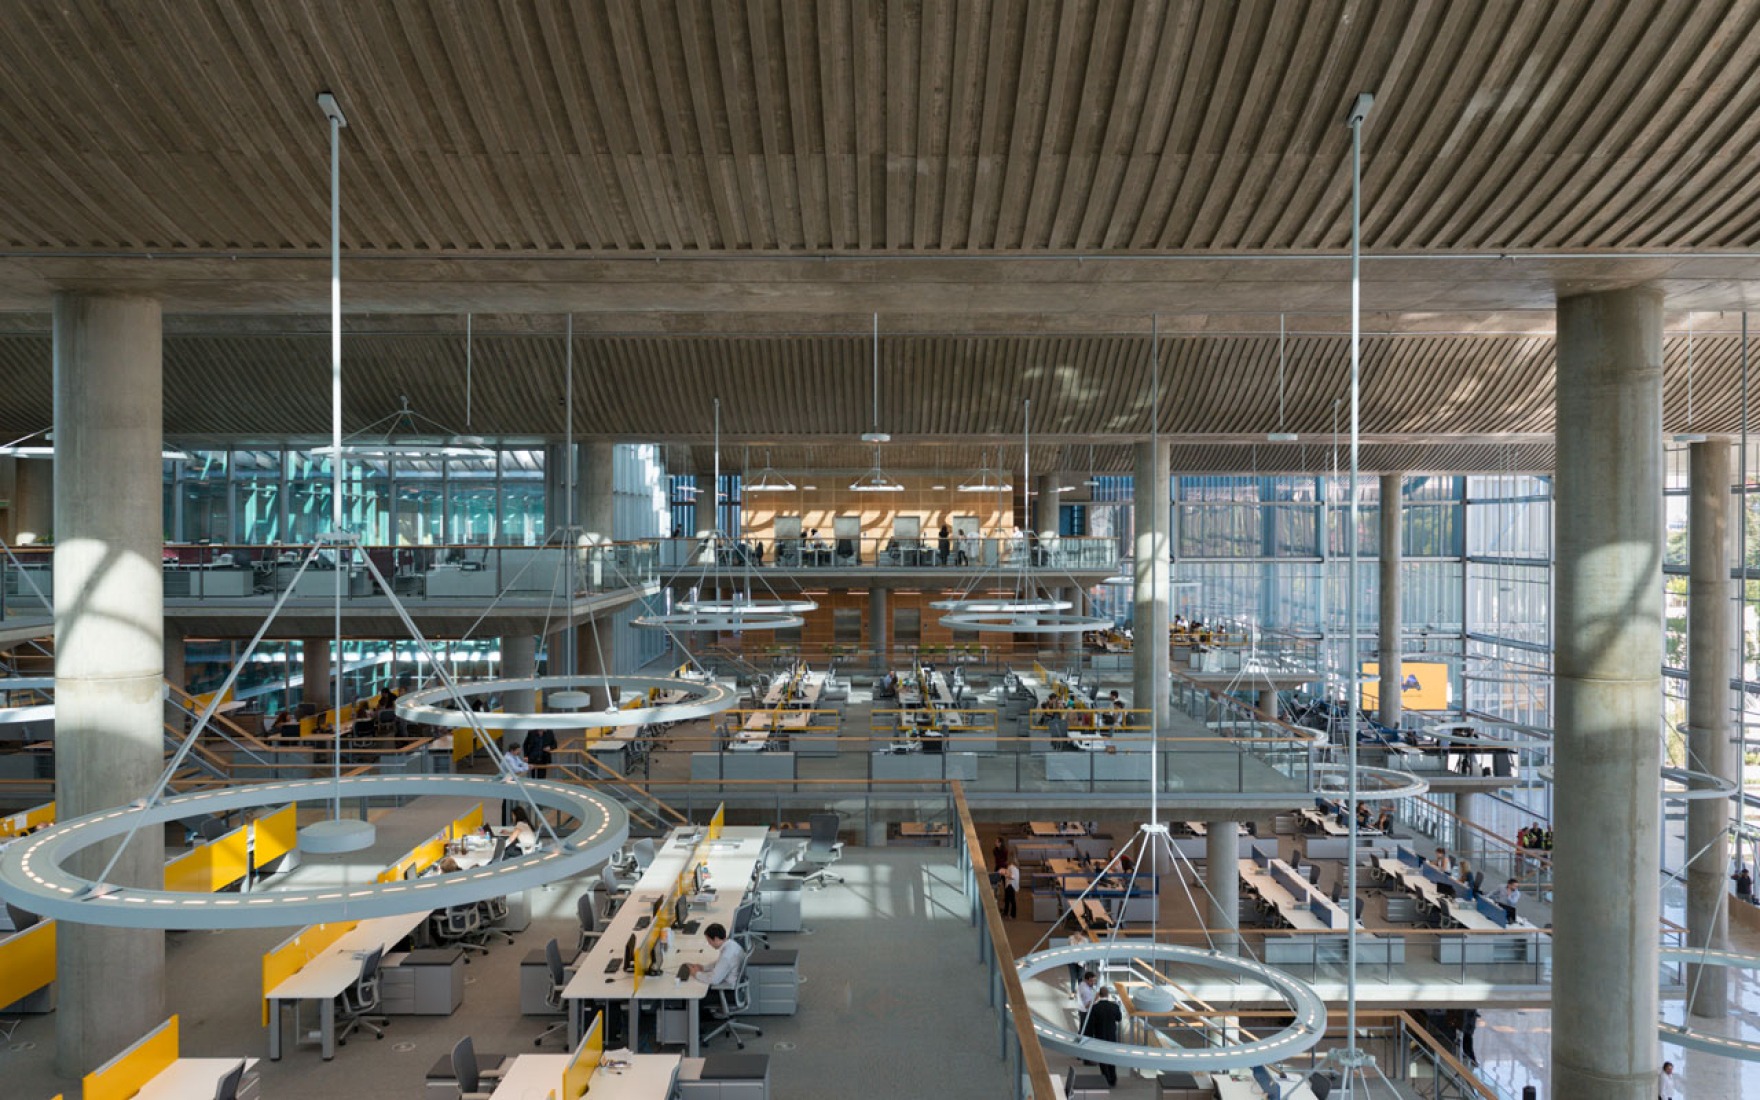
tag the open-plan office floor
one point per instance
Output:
(892, 993)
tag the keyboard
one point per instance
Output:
(643, 922)
(614, 966)
(689, 928)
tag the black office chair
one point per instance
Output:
(822, 850)
(464, 1068)
(358, 1006)
(586, 910)
(1478, 882)
(553, 997)
(227, 1087)
(1320, 1085)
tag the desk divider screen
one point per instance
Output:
(421, 857)
(277, 834)
(24, 821)
(213, 866)
(577, 1079)
(468, 824)
(285, 960)
(27, 961)
(718, 822)
(127, 1073)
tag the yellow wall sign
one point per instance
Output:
(1424, 685)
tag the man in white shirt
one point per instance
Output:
(1669, 1085)
(1011, 884)
(1510, 894)
(1086, 989)
(514, 761)
(727, 961)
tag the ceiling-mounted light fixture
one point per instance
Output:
(1280, 435)
(874, 434)
(406, 433)
(988, 480)
(1689, 436)
(23, 448)
(768, 480)
(875, 480)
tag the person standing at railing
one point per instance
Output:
(1744, 884)
(1011, 885)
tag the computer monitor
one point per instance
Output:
(698, 874)
(681, 910)
(629, 954)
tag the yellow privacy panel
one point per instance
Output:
(27, 962)
(212, 866)
(468, 824)
(125, 1074)
(294, 952)
(24, 822)
(277, 834)
(578, 1077)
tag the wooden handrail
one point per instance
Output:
(1032, 1054)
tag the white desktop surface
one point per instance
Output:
(336, 968)
(1294, 909)
(189, 1077)
(1467, 916)
(731, 860)
(1329, 825)
(536, 1076)
(1045, 829)
(1228, 1087)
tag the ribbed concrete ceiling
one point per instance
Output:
(723, 192)
(980, 125)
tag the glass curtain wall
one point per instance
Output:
(262, 496)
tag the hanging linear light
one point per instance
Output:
(768, 480)
(874, 434)
(1280, 435)
(875, 480)
(23, 448)
(403, 433)
(988, 480)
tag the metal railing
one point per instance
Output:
(971, 555)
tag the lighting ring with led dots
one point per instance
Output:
(1481, 741)
(1002, 622)
(34, 875)
(748, 607)
(721, 622)
(31, 712)
(1694, 785)
(1304, 1031)
(439, 706)
(1000, 606)
(1746, 1050)
(1373, 784)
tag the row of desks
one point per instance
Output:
(535, 1076)
(732, 860)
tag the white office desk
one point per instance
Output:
(1294, 908)
(754, 735)
(1045, 829)
(811, 686)
(535, 1076)
(324, 977)
(731, 861)
(190, 1077)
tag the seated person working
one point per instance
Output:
(730, 956)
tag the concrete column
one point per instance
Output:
(314, 659)
(879, 625)
(1466, 840)
(109, 650)
(1154, 578)
(34, 505)
(1392, 630)
(1222, 875)
(1045, 509)
(1608, 683)
(519, 658)
(707, 514)
(1071, 644)
(1266, 701)
(1710, 630)
(597, 509)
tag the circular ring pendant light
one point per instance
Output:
(438, 707)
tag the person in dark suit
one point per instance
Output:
(944, 545)
(539, 746)
(1102, 1023)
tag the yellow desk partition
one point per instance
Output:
(295, 951)
(718, 822)
(213, 866)
(277, 835)
(421, 857)
(27, 820)
(578, 1077)
(27, 961)
(127, 1073)
(468, 824)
